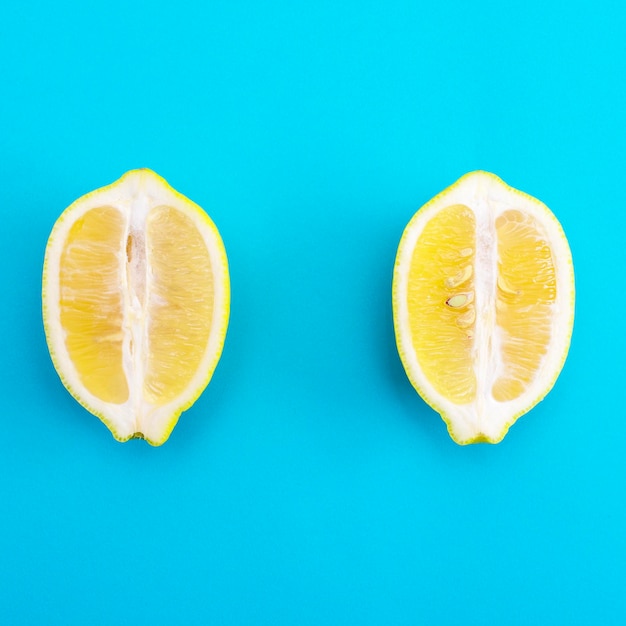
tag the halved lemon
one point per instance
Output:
(135, 303)
(483, 305)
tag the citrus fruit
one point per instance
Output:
(483, 305)
(135, 303)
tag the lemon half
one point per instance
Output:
(135, 303)
(483, 305)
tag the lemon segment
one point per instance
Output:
(526, 295)
(180, 303)
(483, 305)
(91, 302)
(136, 300)
(441, 271)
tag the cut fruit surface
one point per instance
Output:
(135, 303)
(483, 305)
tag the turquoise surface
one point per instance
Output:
(310, 484)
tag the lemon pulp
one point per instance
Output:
(440, 301)
(180, 303)
(91, 302)
(526, 295)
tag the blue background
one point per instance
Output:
(310, 484)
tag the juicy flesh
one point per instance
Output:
(136, 303)
(516, 286)
(91, 305)
(180, 306)
(526, 293)
(441, 270)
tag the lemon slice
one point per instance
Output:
(135, 303)
(483, 305)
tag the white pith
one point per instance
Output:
(486, 418)
(134, 196)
